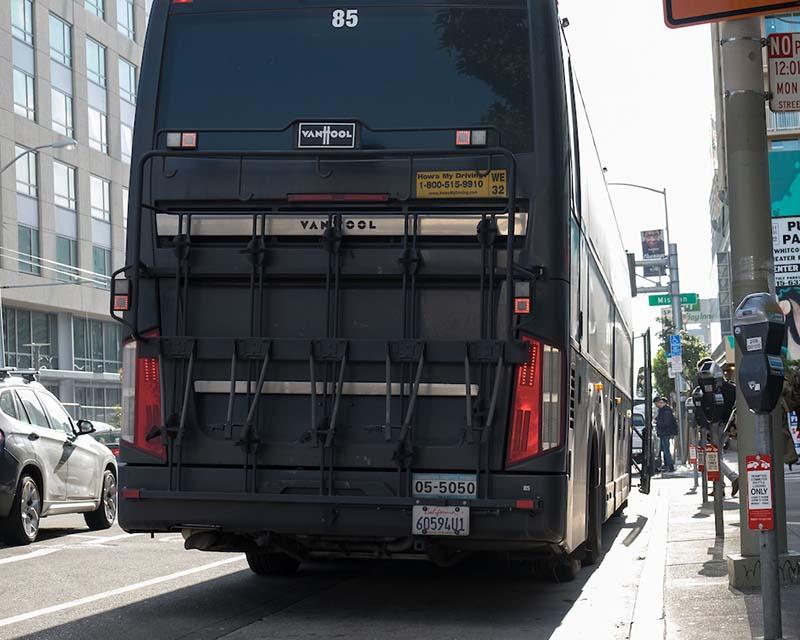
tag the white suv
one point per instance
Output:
(48, 463)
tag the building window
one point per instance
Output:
(101, 201)
(62, 113)
(127, 81)
(22, 20)
(96, 346)
(101, 258)
(28, 247)
(103, 404)
(21, 329)
(124, 207)
(126, 141)
(67, 258)
(97, 7)
(26, 172)
(98, 130)
(96, 62)
(24, 92)
(125, 22)
(64, 185)
(60, 41)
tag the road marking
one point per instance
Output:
(121, 536)
(116, 592)
(33, 554)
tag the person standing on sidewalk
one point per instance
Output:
(666, 429)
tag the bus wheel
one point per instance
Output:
(594, 530)
(566, 568)
(264, 563)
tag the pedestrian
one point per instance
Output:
(666, 429)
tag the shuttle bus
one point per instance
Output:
(376, 299)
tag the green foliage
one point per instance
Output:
(694, 350)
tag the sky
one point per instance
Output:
(650, 97)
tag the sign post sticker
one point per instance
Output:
(712, 463)
(462, 184)
(692, 454)
(786, 250)
(760, 514)
(701, 458)
(783, 54)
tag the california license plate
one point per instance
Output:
(431, 520)
(445, 485)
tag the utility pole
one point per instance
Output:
(751, 242)
(677, 321)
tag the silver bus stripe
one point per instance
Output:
(312, 225)
(289, 388)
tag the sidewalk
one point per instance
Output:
(698, 603)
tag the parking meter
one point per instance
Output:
(709, 392)
(759, 328)
(690, 411)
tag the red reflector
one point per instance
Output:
(121, 303)
(182, 1)
(147, 413)
(189, 140)
(524, 504)
(131, 494)
(524, 441)
(338, 197)
(522, 305)
(463, 138)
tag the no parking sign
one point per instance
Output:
(759, 493)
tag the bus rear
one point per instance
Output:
(347, 289)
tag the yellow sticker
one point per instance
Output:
(461, 184)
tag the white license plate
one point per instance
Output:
(431, 520)
(445, 485)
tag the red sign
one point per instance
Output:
(712, 463)
(684, 13)
(692, 454)
(760, 515)
(701, 458)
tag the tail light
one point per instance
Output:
(141, 400)
(536, 415)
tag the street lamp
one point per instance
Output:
(675, 293)
(66, 143)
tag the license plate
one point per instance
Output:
(445, 485)
(430, 520)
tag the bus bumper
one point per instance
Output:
(523, 512)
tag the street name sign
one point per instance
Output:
(662, 300)
(685, 13)
(783, 62)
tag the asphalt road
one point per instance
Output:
(74, 583)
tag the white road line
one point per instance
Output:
(116, 592)
(121, 536)
(33, 554)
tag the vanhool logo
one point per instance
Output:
(326, 135)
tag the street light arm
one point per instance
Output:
(61, 144)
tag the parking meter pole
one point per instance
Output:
(703, 440)
(768, 545)
(677, 320)
(719, 496)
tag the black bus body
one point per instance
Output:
(375, 290)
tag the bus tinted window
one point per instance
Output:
(399, 67)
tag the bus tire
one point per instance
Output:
(595, 499)
(566, 568)
(265, 563)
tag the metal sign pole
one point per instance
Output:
(677, 321)
(768, 540)
(719, 498)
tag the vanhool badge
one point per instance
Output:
(326, 135)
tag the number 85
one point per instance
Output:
(344, 18)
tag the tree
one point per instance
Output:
(693, 348)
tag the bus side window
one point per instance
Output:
(573, 136)
(575, 280)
